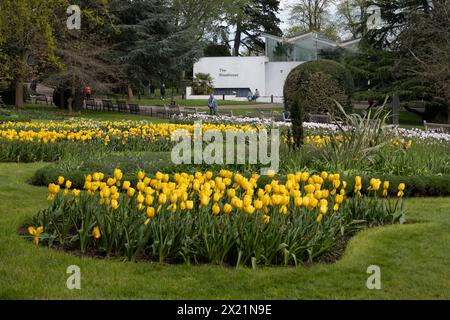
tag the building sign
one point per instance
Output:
(225, 73)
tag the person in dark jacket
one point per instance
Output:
(212, 105)
(163, 91)
(151, 89)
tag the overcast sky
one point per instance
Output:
(284, 14)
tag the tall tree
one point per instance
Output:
(311, 15)
(28, 35)
(151, 44)
(251, 18)
(349, 16)
(424, 51)
(203, 16)
(411, 30)
(84, 53)
(395, 16)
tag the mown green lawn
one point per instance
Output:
(49, 112)
(413, 259)
(195, 103)
(245, 109)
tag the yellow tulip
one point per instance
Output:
(276, 199)
(149, 200)
(216, 209)
(231, 193)
(75, 193)
(204, 200)
(336, 184)
(249, 209)
(114, 204)
(238, 203)
(217, 197)
(150, 212)
(305, 201)
(110, 182)
(140, 175)
(258, 204)
(118, 174)
(131, 192)
(339, 199)
(126, 185)
(35, 233)
(310, 188)
(162, 199)
(313, 202)
(140, 198)
(227, 208)
(96, 233)
(140, 186)
(247, 201)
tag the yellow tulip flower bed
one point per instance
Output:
(53, 132)
(50, 141)
(227, 219)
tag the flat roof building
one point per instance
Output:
(238, 76)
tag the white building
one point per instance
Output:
(235, 77)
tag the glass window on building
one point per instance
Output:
(305, 47)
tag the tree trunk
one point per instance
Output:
(70, 105)
(237, 39)
(19, 94)
(130, 93)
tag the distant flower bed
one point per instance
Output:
(50, 141)
(314, 126)
(223, 219)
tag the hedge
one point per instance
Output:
(318, 84)
(416, 186)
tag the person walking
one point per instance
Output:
(212, 105)
(163, 91)
(151, 89)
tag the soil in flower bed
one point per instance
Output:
(335, 254)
